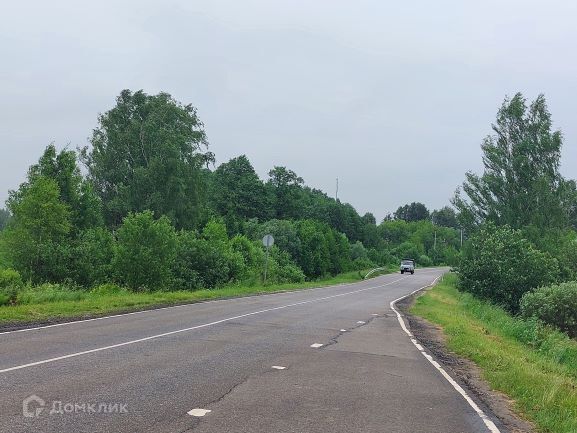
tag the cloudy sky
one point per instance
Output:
(393, 98)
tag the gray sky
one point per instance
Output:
(393, 98)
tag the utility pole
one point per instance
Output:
(337, 193)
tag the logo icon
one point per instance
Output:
(28, 406)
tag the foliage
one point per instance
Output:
(74, 191)
(521, 184)
(4, 218)
(36, 240)
(445, 217)
(145, 251)
(237, 192)
(286, 190)
(555, 305)
(146, 154)
(500, 265)
(10, 284)
(412, 212)
(93, 255)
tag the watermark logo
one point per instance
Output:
(33, 406)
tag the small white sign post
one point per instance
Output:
(268, 242)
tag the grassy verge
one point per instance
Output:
(57, 304)
(535, 366)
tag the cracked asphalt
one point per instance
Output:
(370, 378)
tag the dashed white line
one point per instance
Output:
(316, 345)
(488, 422)
(198, 412)
(278, 367)
(360, 322)
(343, 330)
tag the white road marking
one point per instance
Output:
(278, 367)
(343, 330)
(360, 322)
(178, 331)
(488, 422)
(374, 314)
(198, 412)
(316, 345)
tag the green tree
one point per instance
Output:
(4, 218)
(286, 188)
(412, 212)
(521, 184)
(147, 153)
(499, 264)
(369, 218)
(445, 217)
(37, 239)
(145, 251)
(75, 191)
(237, 191)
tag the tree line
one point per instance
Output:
(521, 214)
(142, 207)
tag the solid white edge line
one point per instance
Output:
(178, 331)
(488, 422)
(151, 310)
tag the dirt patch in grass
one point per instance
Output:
(464, 371)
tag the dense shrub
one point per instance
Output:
(555, 305)
(10, 284)
(282, 269)
(199, 263)
(424, 261)
(145, 252)
(500, 265)
(92, 261)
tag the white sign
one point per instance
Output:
(268, 241)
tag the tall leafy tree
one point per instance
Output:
(445, 217)
(286, 186)
(36, 239)
(147, 153)
(521, 184)
(412, 212)
(237, 191)
(74, 191)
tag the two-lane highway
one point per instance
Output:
(334, 358)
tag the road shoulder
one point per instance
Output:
(464, 371)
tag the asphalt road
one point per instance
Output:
(145, 372)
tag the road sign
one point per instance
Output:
(268, 241)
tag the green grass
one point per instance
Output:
(53, 302)
(534, 365)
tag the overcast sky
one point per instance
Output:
(393, 98)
